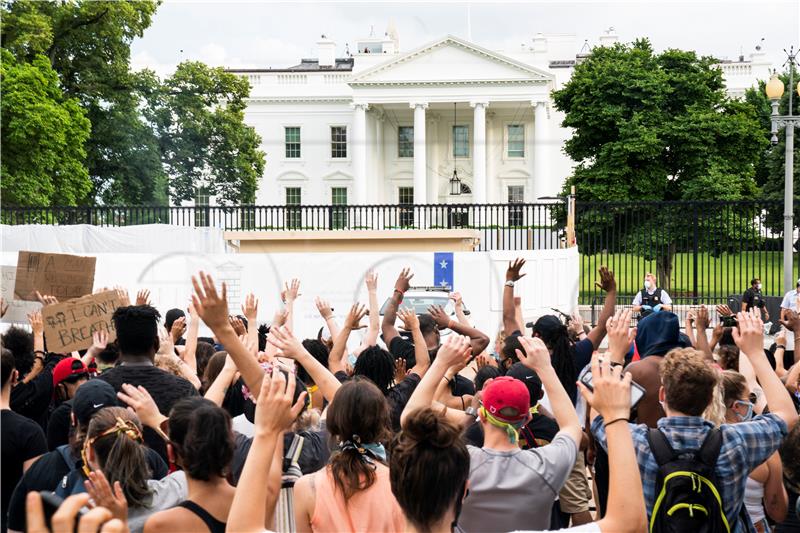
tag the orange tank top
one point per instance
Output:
(372, 510)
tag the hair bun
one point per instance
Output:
(425, 427)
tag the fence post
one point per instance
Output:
(571, 218)
(696, 253)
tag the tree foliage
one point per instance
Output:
(656, 127)
(43, 134)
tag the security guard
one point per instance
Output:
(652, 298)
(753, 298)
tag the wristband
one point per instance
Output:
(780, 347)
(606, 424)
(445, 378)
(450, 324)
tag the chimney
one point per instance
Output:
(609, 37)
(539, 43)
(326, 52)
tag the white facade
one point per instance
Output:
(379, 127)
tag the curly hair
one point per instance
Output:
(20, 343)
(376, 364)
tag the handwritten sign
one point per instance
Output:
(69, 325)
(17, 309)
(61, 275)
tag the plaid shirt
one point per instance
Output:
(744, 446)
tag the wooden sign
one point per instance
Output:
(69, 326)
(17, 309)
(60, 275)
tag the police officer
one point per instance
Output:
(753, 298)
(652, 298)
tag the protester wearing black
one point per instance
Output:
(753, 298)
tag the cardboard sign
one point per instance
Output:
(17, 309)
(69, 325)
(60, 275)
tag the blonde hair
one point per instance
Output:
(715, 412)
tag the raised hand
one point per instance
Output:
(237, 325)
(792, 322)
(178, 329)
(576, 323)
(103, 496)
(353, 319)
(611, 396)
(454, 351)
(143, 297)
(403, 280)
(607, 281)
(250, 308)
(620, 334)
(535, 355)
(513, 270)
(35, 320)
(193, 313)
(324, 308)
(439, 316)
(3, 307)
(371, 281)
(724, 310)
(409, 318)
(292, 290)
(138, 399)
(702, 319)
(399, 369)
(279, 318)
(210, 305)
(275, 411)
(458, 301)
(46, 299)
(285, 341)
(122, 294)
(484, 360)
(250, 343)
(749, 333)
(99, 340)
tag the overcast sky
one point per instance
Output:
(259, 33)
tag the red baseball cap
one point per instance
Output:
(506, 399)
(68, 367)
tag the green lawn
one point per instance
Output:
(720, 276)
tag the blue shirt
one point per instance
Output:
(744, 446)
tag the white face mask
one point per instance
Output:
(647, 284)
(758, 286)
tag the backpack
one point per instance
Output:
(688, 497)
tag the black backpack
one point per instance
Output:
(688, 498)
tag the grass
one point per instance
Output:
(717, 276)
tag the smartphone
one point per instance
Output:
(51, 502)
(637, 391)
(729, 321)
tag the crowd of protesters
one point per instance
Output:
(427, 426)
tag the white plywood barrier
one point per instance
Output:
(551, 280)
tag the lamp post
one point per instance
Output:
(774, 92)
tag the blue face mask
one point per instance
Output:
(748, 415)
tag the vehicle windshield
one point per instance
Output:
(422, 302)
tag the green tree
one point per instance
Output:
(771, 168)
(656, 127)
(88, 45)
(199, 115)
(43, 137)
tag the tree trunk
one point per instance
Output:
(664, 263)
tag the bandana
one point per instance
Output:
(512, 430)
(368, 451)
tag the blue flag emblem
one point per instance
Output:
(443, 269)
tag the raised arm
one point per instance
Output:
(250, 312)
(278, 320)
(388, 328)
(291, 292)
(620, 335)
(284, 339)
(611, 398)
(37, 327)
(374, 329)
(749, 336)
(458, 305)
(509, 309)
(701, 323)
(421, 355)
(537, 358)
(213, 309)
(339, 350)
(478, 339)
(192, 332)
(326, 312)
(254, 499)
(608, 284)
(216, 391)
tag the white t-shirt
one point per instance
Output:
(791, 301)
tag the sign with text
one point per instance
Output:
(60, 275)
(69, 326)
(17, 309)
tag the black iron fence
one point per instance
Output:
(701, 252)
(498, 226)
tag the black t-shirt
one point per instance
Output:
(753, 298)
(543, 430)
(21, 439)
(165, 388)
(399, 395)
(400, 347)
(59, 426)
(44, 474)
(32, 399)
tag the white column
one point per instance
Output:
(479, 153)
(432, 158)
(378, 194)
(541, 150)
(491, 155)
(420, 168)
(358, 144)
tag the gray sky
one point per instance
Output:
(261, 33)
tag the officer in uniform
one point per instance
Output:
(753, 298)
(651, 299)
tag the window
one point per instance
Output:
(338, 214)
(516, 140)
(405, 142)
(292, 142)
(460, 141)
(338, 142)
(201, 212)
(516, 195)
(294, 218)
(405, 196)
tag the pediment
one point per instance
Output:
(338, 175)
(450, 60)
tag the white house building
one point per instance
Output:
(381, 126)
